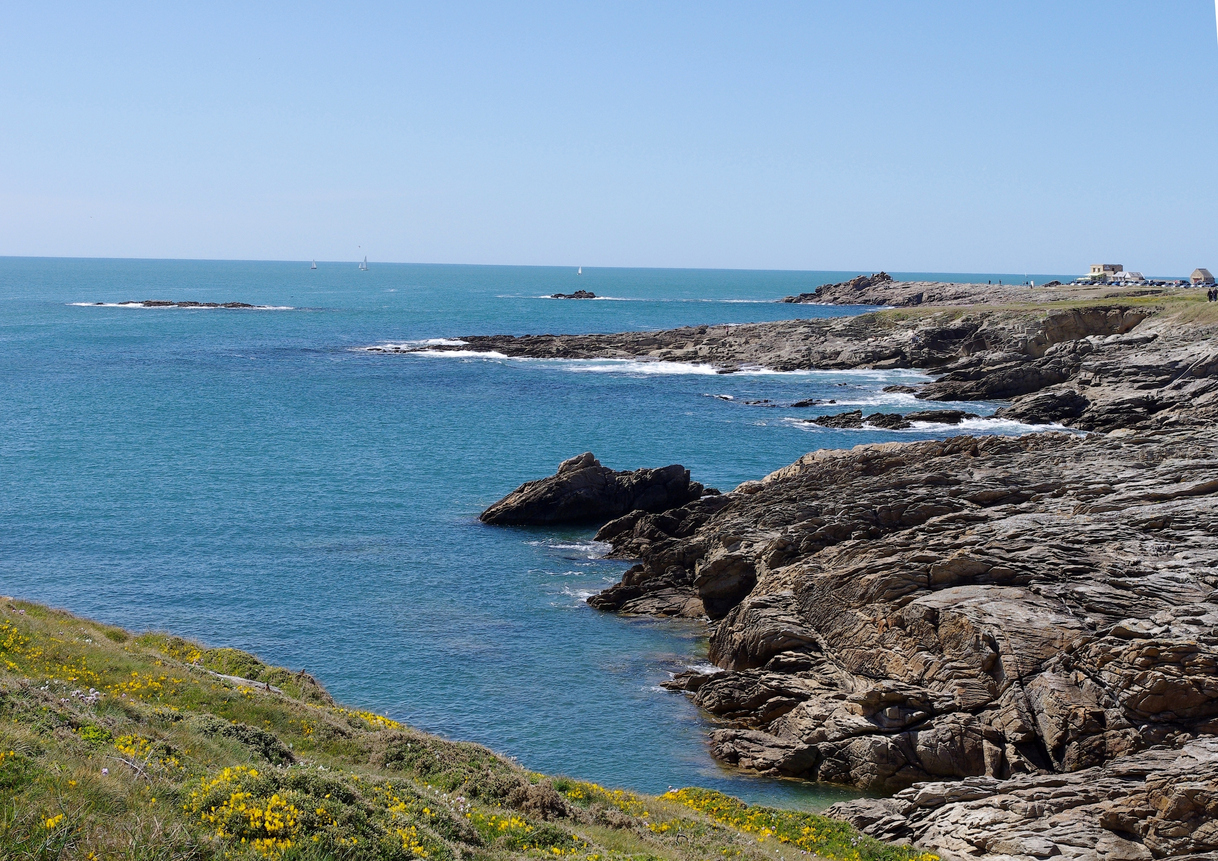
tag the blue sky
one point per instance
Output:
(912, 136)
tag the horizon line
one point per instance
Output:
(355, 261)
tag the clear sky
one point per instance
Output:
(915, 136)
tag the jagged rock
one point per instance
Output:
(851, 419)
(942, 417)
(1033, 619)
(578, 294)
(957, 608)
(584, 491)
(845, 292)
(1047, 407)
(1160, 803)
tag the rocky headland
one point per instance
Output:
(881, 288)
(1017, 635)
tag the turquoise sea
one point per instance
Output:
(257, 479)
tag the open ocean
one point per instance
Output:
(257, 479)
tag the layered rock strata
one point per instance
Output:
(583, 491)
(1033, 619)
(1161, 803)
(882, 289)
(1018, 634)
(974, 607)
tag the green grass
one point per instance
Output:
(115, 746)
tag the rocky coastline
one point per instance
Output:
(1018, 635)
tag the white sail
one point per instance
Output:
(580, 270)
(314, 266)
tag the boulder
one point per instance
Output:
(583, 491)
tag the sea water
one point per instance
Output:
(260, 479)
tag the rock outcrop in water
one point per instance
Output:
(583, 491)
(578, 294)
(165, 303)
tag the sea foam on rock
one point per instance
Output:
(583, 491)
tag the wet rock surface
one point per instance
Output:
(578, 294)
(583, 491)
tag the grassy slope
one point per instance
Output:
(122, 746)
(1187, 306)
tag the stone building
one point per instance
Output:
(1104, 271)
(1201, 276)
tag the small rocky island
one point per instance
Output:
(166, 303)
(578, 294)
(1016, 635)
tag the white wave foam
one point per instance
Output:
(586, 549)
(887, 399)
(425, 342)
(983, 425)
(453, 354)
(655, 366)
(989, 424)
(632, 366)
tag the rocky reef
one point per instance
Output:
(582, 491)
(578, 294)
(881, 288)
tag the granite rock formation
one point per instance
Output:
(882, 289)
(974, 607)
(1160, 803)
(583, 491)
(1018, 635)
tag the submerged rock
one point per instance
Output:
(584, 491)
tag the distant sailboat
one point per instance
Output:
(364, 266)
(580, 270)
(314, 266)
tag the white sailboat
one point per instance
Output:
(314, 266)
(363, 267)
(580, 270)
